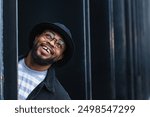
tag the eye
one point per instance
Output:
(49, 36)
(58, 45)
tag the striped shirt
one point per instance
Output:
(28, 79)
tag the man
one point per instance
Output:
(51, 45)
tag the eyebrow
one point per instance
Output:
(55, 34)
(49, 32)
(52, 32)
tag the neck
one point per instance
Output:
(32, 65)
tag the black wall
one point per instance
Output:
(119, 31)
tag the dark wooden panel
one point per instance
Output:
(10, 49)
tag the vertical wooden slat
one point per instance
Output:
(112, 49)
(87, 49)
(10, 49)
(1, 50)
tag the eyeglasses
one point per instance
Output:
(59, 43)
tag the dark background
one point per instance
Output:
(68, 12)
(119, 45)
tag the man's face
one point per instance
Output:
(48, 48)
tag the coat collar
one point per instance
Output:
(49, 80)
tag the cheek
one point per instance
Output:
(38, 40)
(61, 51)
(60, 54)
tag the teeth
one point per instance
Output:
(47, 49)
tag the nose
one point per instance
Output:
(52, 42)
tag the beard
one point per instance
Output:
(38, 59)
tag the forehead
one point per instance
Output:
(56, 34)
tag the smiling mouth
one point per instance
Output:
(46, 49)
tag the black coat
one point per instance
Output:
(49, 89)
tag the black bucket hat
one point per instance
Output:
(63, 31)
